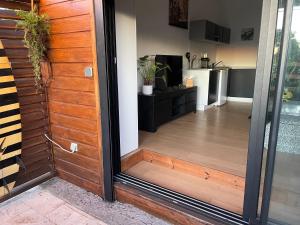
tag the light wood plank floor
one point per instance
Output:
(216, 138)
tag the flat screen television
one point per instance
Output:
(172, 77)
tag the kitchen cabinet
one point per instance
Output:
(212, 86)
(204, 30)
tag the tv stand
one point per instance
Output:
(164, 106)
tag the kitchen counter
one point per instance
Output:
(212, 86)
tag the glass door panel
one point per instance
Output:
(285, 196)
(272, 88)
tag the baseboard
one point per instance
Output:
(237, 99)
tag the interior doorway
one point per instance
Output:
(141, 167)
(194, 127)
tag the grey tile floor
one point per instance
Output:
(59, 202)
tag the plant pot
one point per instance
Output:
(147, 89)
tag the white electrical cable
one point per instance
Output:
(58, 145)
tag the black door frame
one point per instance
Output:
(107, 72)
(259, 110)
(108, 80)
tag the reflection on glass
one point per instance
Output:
(285, 197)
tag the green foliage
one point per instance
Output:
(292, 88)
(37, 29)
(147, 68)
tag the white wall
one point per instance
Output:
(237, 15)
(127, 74)
(142, 29)
(154, 35)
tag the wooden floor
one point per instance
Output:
(216, 138)
(285, 198)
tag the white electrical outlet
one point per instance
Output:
(74, 147)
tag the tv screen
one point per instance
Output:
(173, 77)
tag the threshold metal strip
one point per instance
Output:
(181, 200)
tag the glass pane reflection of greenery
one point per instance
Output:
(292, 90)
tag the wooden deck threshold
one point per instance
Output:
(233, 181)
(159, 207)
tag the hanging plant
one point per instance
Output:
(37, 30)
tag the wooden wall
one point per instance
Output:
(74, 103)
(36, 151)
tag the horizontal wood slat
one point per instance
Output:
(8, 14)
(75, 123)
(74, 84)
(11, 34)
(67, 9)
(17, 53)
(71, 24)
(77, 111)
(77, 170)
(8, 24)
(76, 135)
(13, 44)
(35, 148)
(50, 2)
(79, 160)
(74, 115)
(80, 181)
(21, 5)
(71, 40)
(69, 96)
(71, 55)
(85, 150)
(69, 69)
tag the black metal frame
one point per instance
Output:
(259, 111)
(107, 76)
(106, 60)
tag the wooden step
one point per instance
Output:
(206, 184)
(198, 170)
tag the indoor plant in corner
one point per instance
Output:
(147, 68)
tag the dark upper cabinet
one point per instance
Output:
(204, 30)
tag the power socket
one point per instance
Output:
(74, 147)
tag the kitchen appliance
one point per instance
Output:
(204, 61)
(222, 87)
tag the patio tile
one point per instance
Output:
(12, 209)
(43, 202)
(30, 217)
(69, 215)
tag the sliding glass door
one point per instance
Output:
(273, 172)
(281, 200)
(272, 180)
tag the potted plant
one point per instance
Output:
(147, 68)
(37, 29)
